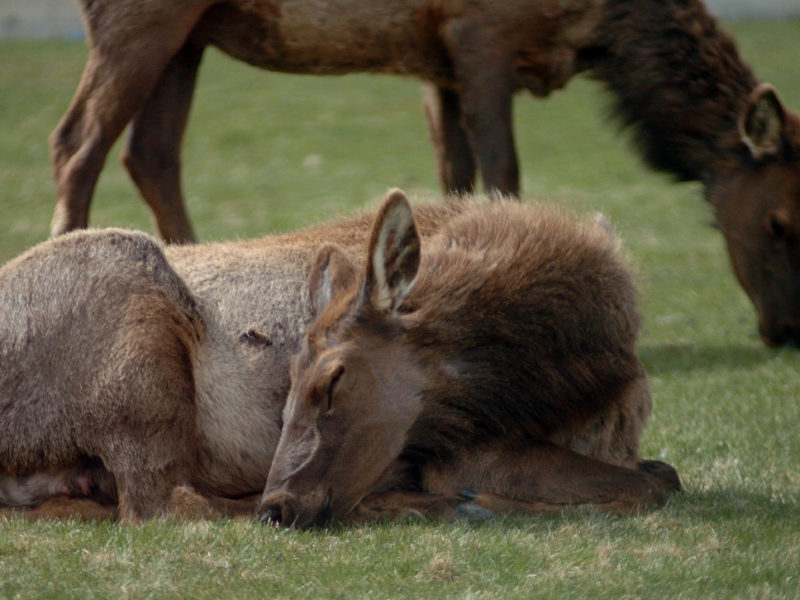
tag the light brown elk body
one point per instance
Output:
(129, 370)
(675, 76)
(498, 359)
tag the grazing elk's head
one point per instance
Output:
(758, 211)
(355, 390)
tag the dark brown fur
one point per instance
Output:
(500, 360)
(140, 380)
(676, 77)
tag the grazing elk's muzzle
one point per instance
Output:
(761, 226)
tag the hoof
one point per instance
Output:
(472, 512)
(666, 474)
(468, 495)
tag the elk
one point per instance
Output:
(675, 76)
(141, 380)
(146, 377)
(495, 356)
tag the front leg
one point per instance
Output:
(397, 505)
(545, 477)
(484, 72)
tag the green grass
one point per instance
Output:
(267, 152)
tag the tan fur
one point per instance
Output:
(500, 361)
(167, 365)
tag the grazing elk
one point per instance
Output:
(498, 358)
(697, 110)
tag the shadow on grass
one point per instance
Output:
(664, 359)
(689, 507)
(733, 503)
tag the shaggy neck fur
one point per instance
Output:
(522, 324)
(677, 79)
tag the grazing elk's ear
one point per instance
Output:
(331, 273)
(761, 125)
(393, 258)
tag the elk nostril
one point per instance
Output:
(325, 514)
(271, 515)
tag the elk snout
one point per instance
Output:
(779, 332)
(287, 510)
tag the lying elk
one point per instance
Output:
(498, 358)
(697, 109)
(154, 378)
(150, 377)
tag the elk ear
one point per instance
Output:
(761, 125)
(393, 256)
(331, 274)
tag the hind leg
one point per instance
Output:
(152, 152)
(89, 481)
(128, 54)
(485, 77)
(142, 423)
(62, 508)
(453, 155)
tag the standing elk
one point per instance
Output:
(154, 378)
(498, 358)
(697, 110)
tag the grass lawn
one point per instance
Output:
(267, 152)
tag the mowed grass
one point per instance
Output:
(267, 152)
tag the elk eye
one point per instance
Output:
(335, 377)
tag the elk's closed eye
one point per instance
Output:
(335, 377)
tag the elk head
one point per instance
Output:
(355, 389)
(758, 210)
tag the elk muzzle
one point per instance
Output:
(285, 509)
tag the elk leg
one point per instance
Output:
(453, 155)
(149, 441)
(128, 55)
(90, 481)
(63, 507)
(152, 151)
(397, 505)
(547, 477)
(183, 503)
(485, 78)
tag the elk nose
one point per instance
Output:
(271, 515)
(277, 509)
(288, 511)
(780, 334)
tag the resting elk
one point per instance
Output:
(495, 356)
(153, 378)
(697, 110)
(149, 377)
